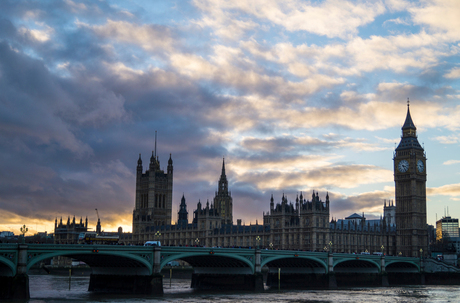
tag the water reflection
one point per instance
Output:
(49, 288)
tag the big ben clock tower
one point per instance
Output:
(410, 192)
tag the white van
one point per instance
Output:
(152, 243)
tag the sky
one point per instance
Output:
(297, 96)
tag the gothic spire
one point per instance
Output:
(223, 183)
(409, 134)
(408, 124)
(223, 168)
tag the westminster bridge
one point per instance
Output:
(137, 269)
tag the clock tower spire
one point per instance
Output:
(410, 192)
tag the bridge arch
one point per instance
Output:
(7, 267)
(356, 265)
(402, 266)
(299, 263)
(95, 260)
(200, 259)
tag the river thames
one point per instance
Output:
(51, 288)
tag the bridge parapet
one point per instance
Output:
(432, 266)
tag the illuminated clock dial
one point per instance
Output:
(420, 166)
(403, 166)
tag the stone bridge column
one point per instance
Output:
(20, 283)
(156, 260)
(157, 277)
(330, 271)
(383, 272)
(422, 271)
(258, 277)
(257, 267)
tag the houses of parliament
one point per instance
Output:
(303, 224)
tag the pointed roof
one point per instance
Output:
(223, 167)
(408, 124)
(409, 135)
(354, 216)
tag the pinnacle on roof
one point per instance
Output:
(223, 167)
(408, 124)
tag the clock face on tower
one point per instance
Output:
(420, 166)
(403, 166)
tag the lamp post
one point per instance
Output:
(24, 230)
(197, 242)
(257, 240)
(157, 235)
(400, 254)
(330, 246)
(383, 247)
(325, 248)
(421, 259)
(271, 246)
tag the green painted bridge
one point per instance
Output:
(137, 268)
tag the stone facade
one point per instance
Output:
(153, 206)
(302, 225)
(68, 233)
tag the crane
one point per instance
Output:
(97, 213)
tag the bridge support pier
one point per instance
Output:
(126, 284)
(385, 280)
(16, 288)
(20, 282)
(332, 281)
(228, 281)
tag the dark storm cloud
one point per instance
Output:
(85, 84)
(64, 155)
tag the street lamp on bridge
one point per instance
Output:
(271, 246)
(24, 230)
(330, 246)
(197, 242)
(157, 235)
(383, 247)
(257, 240)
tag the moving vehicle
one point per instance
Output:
(94, 238)
(152, 243)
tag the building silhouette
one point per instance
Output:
(410, 192)
(301, 225)
(68, 233)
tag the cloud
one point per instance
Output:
(149, 37)
(295, 96)
(439, 16)
(330, 18)
(451, 162)
(396, 21)
(339, 176)
(454, 73)
(452, 139)
(452, 190)
(369, 203)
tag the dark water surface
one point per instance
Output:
(50, 288)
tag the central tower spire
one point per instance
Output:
(223, 200)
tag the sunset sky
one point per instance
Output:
(296, 95)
